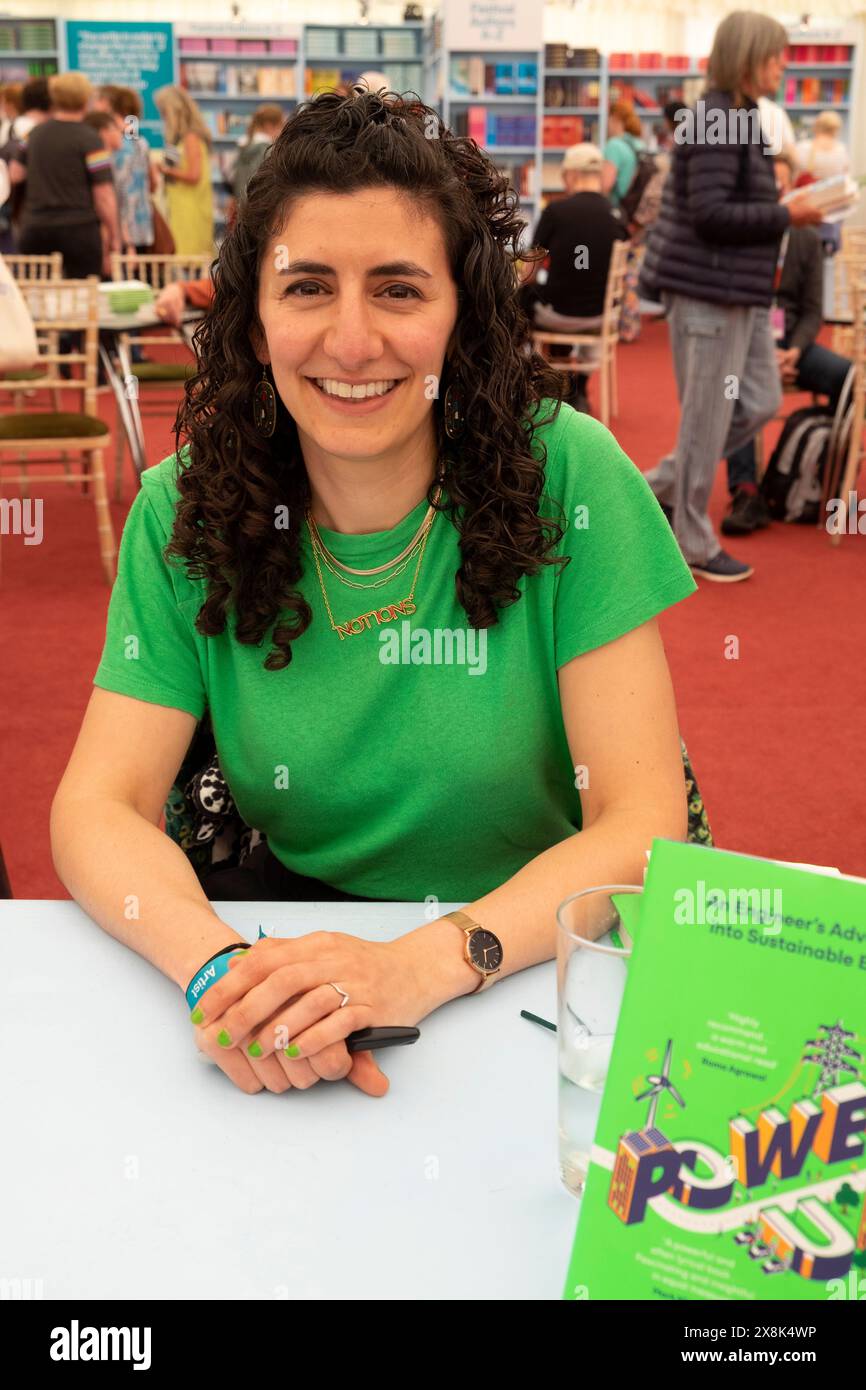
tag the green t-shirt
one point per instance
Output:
(375, 763)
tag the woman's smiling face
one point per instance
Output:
(355, 291)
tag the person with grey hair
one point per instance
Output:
(711, 258)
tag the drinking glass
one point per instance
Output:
(593, 946)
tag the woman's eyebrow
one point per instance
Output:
(408, 268)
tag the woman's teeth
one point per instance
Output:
(354, 393)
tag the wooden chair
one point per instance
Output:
(64, 306)
(28, 269)
(841, 480)
(605, 339)
(849, 261)
(155, 382)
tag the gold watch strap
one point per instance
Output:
(468, 925)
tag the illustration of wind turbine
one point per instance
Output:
(659, 1084)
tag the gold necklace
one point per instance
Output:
(379, 569)
(393, 573)
(386, 614)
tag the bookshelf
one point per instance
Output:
(229, 70)
(339, 54)
(821, 74)
(28, 48)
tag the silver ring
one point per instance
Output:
(345, 998)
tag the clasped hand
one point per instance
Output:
(274, 1021)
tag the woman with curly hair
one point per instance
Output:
(415, 591)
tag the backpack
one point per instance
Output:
(646, 172)
(810, 441)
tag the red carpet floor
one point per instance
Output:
(774, 735)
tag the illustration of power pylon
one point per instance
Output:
(831, 1054)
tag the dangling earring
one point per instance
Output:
(452, 410)
(265, 406)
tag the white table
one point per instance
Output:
(132, 1169)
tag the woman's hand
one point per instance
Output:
(279, 995)
(170, 303)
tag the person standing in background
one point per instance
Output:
(189, 190)
(70, 195)
(622, 147)
(11, 108)
(32, 105)
(134, 175)
(711, 257)
(265, 125)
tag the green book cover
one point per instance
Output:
(728, 1161)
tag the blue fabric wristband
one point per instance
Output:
(210, 972)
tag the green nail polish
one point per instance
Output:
(224, 1040)
(293, 1051)
(255, 1049)
(196, 1016)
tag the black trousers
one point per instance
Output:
(80, 246)
(264, 878)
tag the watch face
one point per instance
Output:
(485, 950)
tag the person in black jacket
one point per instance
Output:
(711, 257)
(801, 361)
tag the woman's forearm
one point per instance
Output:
(522, 911)
(136, 883)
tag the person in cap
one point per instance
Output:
(578, 231)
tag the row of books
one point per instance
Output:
(561, 55)
(197, 44)
(402, 77)
(558, 132)
(239, 79)
(22, 70)
(814, 90)
(571, 91)
(21, 34)
(645, 98)
(820, 53)
(521, 176)
(650, 62)
(363, 43)
(488, 128)
(232, 123)
(474, 77)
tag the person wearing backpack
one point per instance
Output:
(711, 258)
(802, 362)
(622, 148)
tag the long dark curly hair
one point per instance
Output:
(232, 477)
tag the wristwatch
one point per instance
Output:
(483, 950)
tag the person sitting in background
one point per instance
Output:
(802, 362)
(578, 231)
(825, 154)
(621, 150)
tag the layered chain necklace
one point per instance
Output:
(387, 572)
